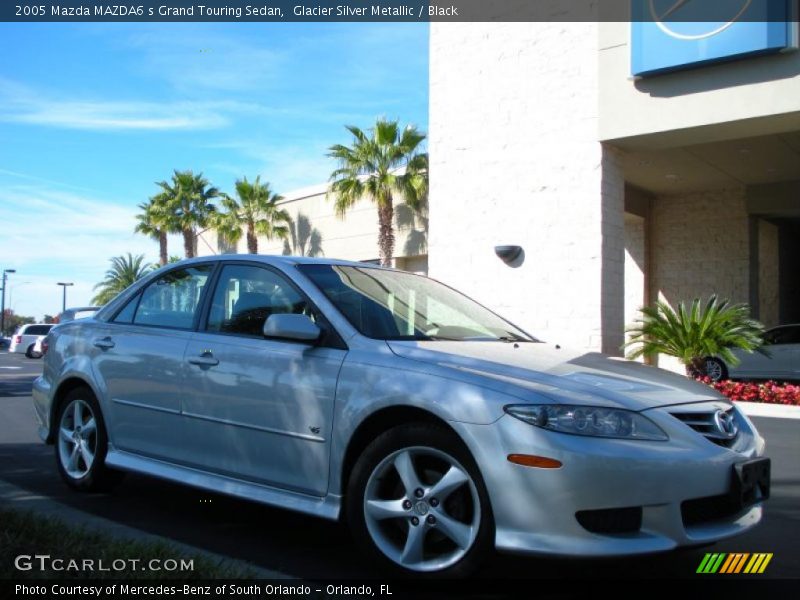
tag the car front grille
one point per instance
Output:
(705, 423)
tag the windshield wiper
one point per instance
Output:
(513, 338)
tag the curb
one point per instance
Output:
(775, 411)
(17, 498)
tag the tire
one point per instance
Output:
(31, 354)
(81, 451)
(401, 523)
(715, 369)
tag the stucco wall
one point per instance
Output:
(753, 96)
(515, 160)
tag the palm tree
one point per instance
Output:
(380, 166)
(188, 199)
(256, 212)
(304, 240)
(124, 271)
(693, 335)
(154, 221)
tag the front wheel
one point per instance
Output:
(417, 503)
(715, 369)
(82, 444)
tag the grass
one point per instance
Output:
(26, 533)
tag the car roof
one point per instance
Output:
(274, 259)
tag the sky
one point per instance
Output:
(92, 115)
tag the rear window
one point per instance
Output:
(37, 330)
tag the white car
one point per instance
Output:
(780, 359)
(71, 314)
(24, 339)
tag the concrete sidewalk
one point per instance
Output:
(777, 411)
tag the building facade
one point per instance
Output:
(621, 190)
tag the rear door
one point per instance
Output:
(138, 357)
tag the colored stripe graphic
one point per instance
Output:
(711, 563)
(741, 562)
(734, 562)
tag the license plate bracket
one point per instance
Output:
(751, 481)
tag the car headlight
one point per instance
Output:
(595, 421)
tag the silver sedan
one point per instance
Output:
(438, 429)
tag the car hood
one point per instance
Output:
(543, 372)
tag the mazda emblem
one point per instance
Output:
(726, 424)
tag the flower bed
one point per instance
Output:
(768, 392)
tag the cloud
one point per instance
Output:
(63, 236)
(22, 104)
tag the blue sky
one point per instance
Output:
(91, 115)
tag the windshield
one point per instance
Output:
(393, 305)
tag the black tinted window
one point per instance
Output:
(246, 296)
(172, 299)
(783, 335)
(38, 330)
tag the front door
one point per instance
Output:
(255, 408)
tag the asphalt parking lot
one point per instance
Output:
(309, 548)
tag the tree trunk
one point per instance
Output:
(386, 232)
(252, 240)
(188, 243)
(162, 248)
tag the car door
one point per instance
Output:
(138, 358)
(255, 408)
(780, 359)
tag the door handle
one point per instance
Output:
(206, 359)
(104, 343)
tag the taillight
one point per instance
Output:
(17, 339)
(45, 347)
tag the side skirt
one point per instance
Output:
(327, 507)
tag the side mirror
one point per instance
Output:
(299, 328)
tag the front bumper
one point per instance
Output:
(535, 509)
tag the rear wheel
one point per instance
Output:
(30, 353)
(82, 443)
(715, 369)
(417, 503)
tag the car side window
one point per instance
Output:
(247, 295)
(126, 314)
(782, 335)
(172, 299)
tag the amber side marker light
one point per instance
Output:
(541, 462)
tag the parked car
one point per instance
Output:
(80, 312)
(71, 314)
(24, 338)
(438, 428)
(780, 359)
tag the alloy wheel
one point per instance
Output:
(77, 439)
(422, 509)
